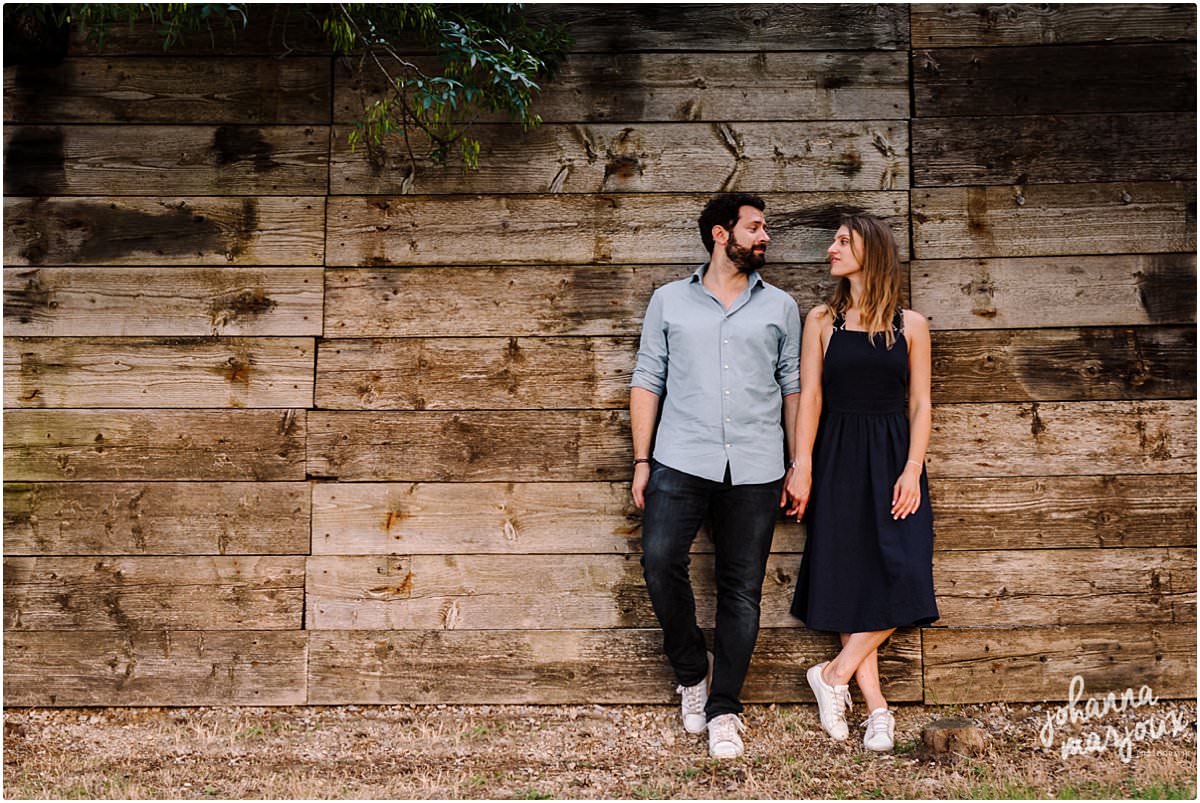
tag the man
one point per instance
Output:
(721, 351)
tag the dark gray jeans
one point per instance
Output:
(742, 520)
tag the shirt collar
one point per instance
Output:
(698, 275)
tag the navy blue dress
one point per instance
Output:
(861, 569)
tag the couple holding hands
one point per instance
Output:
(747, 416)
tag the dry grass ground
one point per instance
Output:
(556, 752)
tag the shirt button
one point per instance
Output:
(727, 420)
(727, 393)
(729, 446)
(726, 341)
(726, 367)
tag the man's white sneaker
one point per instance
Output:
(723, 738)
(881, 731)
(832, 703)
(694, 698)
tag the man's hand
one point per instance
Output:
(799, 486)
(641, 478)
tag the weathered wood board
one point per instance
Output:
(271, 30)
(587, 229)
(558, 518)
(515, 446)
(153, 593)
(961, 151)
(1003, 440)
(177, 372)
(1063, 586)
(146, 301)
(474, 373)
(154, 445)
(477, 302)
(193, 667)
(1026, 664)
(714, 157)
(623, 87)
(496, 592)
(751, 27)
(551, 667)
(1064, 512)
(969, 440)
(974, 81)
(1034, 292)
(170, 89)
(980, 25)
(1054, 219)
(164, 231)
(170, 159)
(1064, 364)
(156, 518)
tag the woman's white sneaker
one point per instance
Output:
(832, 703)
(881, 731)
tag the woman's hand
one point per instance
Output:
(799, 485)
(906, 493)
(641, 478)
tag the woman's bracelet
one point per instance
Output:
(915, 463)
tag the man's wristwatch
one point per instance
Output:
(637, 460)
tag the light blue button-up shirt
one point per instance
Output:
(722, 375)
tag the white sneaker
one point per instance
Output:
(723, 738)
(832, 703)
(881, 731)
(694, 698)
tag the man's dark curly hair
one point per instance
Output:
(723, 210)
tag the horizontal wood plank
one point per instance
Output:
(969, 440)
(186, 302)
(164, 231)
(469, 446)
(527, 592)
(1027, 664)
(1063, 586)
(1033, 292)
(578, 300)
(586, 229)
(198, 372)
(1064, 364)
(153, 593)
(81, 668)
(488, 518)
(981, 25)
(1003, 440)
(564, 666)
(960, 151)
(157, 445)
(156, 518)
(643, 157)
(270, 29)
(475, 373)
(1064, 512)
(153, 160)
(621, 87)
(1109, 78)
(170, 89)
(691, 26)
(1054, 219)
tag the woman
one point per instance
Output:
(862, 430)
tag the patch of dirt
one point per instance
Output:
(538, 752)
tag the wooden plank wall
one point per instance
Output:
(286, 423)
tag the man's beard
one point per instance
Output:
(746, 260)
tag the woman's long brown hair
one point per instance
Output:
(880, 261)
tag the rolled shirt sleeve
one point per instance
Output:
(787, 371)
(650, 372)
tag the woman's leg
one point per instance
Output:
(867, 676)
(858, 659)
